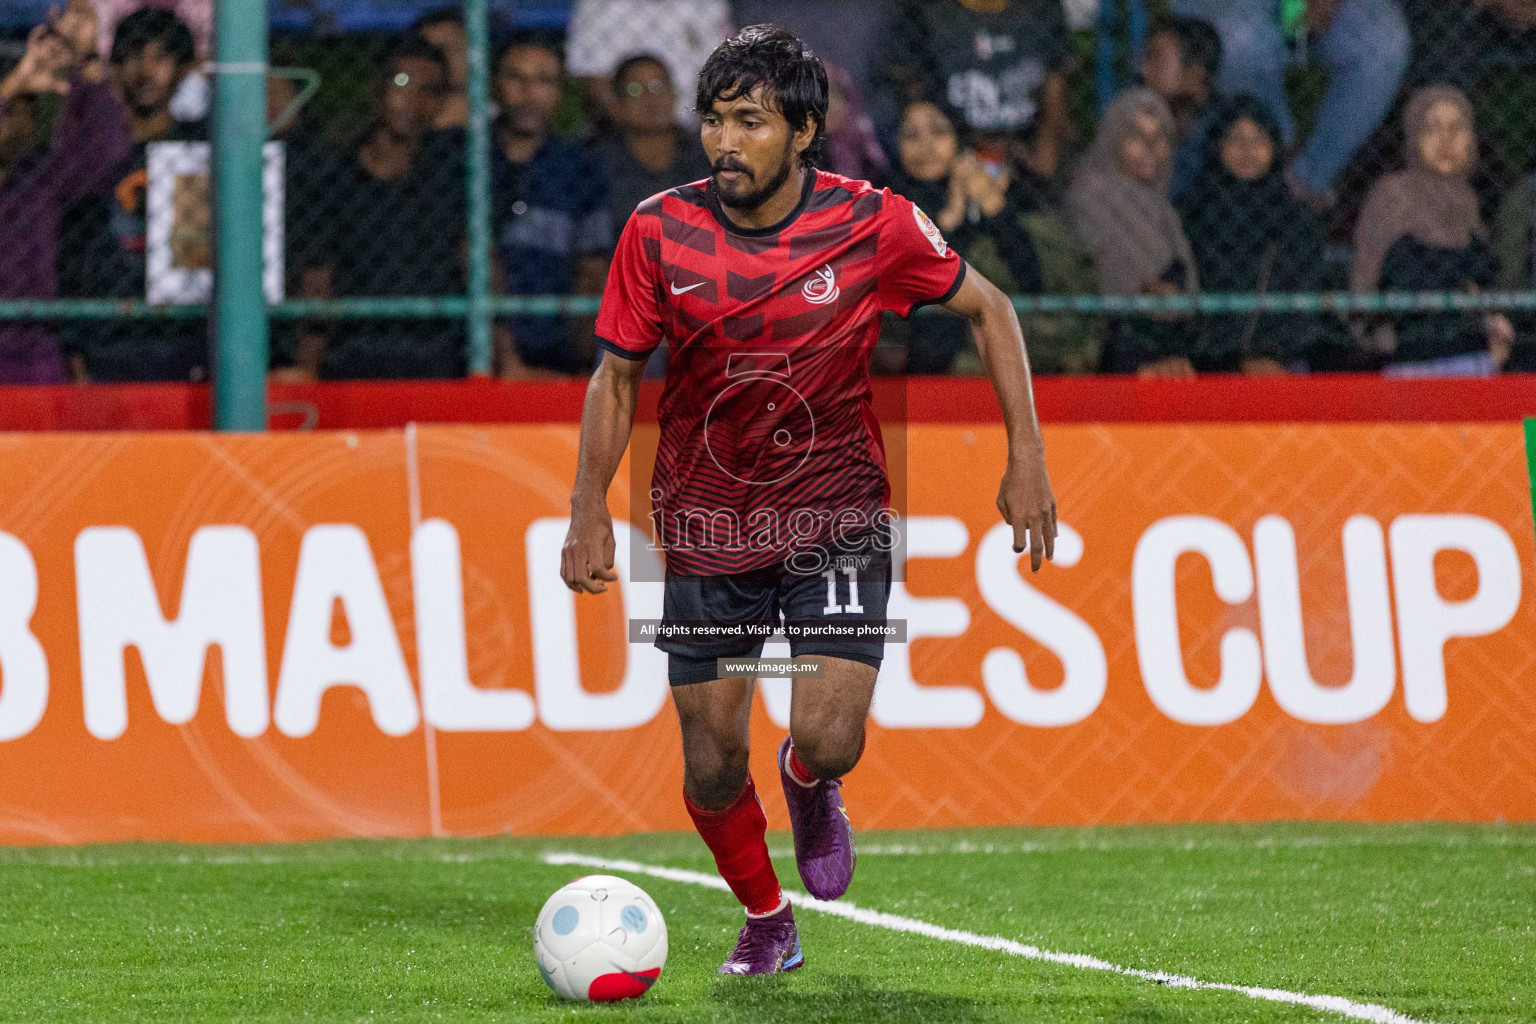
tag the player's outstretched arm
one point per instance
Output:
(586, 560)
(1025, 498)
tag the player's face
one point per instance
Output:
(1247, 151)
(413, 93)
(927, 141)
(1146, 149)
(1446, 142)
(528, 81)
(751, 149)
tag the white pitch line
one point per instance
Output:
(1334, 1004)
(1260, 844)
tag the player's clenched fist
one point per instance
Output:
(586, 560)
(1027, 505)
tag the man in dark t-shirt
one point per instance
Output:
(1001, 63)
(651, 153)
(389, 220)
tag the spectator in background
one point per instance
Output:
(311, 170)
(1467, 43)
(1421, 230)
(928, 151)
(90, 137)
(553, 227)
(1002, 64)
(852, 148)
(197, 15)
(682, 33)
(996, 227)
(1364, 45)
(190, 103)
(651, 152)
(1120, 206)
(1249, 234)
(393, 224)
(444, 29)
(104, 244)
(1519, 15)
(1182, 61)
(849, 34)
(1487, 49)
(1515, 244)
(1026, 247)
(1514, 233)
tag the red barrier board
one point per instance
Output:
(379, 405)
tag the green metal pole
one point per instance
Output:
(239, 131)
(478, 182)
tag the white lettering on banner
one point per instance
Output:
(23, 663)
(449, 700)
(563, 704)
(1370, 624)
(1155, 611)
(220, 605)
(1425, 620)
(1056, 628)
(336, 563)
(901, 702)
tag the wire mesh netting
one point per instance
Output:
(1171, 187)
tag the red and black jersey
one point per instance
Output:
(768, 439)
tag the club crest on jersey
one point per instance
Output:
(822, 288)
(929, 228)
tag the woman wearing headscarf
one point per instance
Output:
(1007, 236)
(1250, 234)
(1421, 230)
(1120, 207)
(928, 153)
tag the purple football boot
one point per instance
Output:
(766, 945)
(823, 834)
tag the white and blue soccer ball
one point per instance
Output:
(600, 938)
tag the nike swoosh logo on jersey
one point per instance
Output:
(680, 291)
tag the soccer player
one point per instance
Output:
(770, 493)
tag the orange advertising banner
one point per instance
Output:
(244, 638)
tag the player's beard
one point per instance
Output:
(750, 200)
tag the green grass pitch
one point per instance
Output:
(1435, 922)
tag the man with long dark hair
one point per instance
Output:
(770, 495)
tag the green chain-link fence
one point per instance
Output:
(1283, 195)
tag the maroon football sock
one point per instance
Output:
(737, 838)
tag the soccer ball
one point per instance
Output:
(600, 938)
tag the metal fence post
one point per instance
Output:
(239, 132)
(477, 33)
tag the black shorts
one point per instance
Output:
(853, 589)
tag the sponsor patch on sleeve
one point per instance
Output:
(929, 228)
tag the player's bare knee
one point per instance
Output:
(715, 770)
(829, 749)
